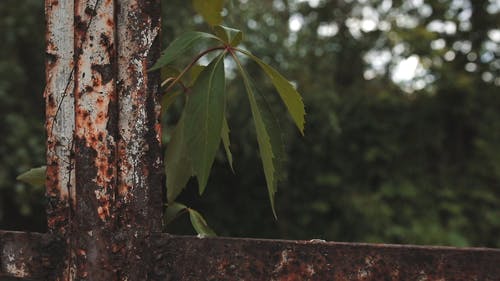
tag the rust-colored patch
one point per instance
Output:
(110, 22)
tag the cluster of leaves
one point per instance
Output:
(377, 164)
(203, 123)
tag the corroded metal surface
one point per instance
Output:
(59, 99)
(139, 197)
(218, 259)
(95, 139)
(180, 258)
(95, 111)
(139, 154)
(30, 255)
(104, 153)
(59, 112)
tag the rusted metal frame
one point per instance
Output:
(180, 258)
(183, 258)
(30, 255)
(117, 199)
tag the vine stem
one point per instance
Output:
(177, 79)
(240, 66)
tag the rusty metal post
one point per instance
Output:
(95, 139)
(139, 196)
(59, 99)
(103, 150)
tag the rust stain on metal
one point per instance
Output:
(95, 98)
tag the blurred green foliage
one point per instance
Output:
(383, 159)
(21, 111)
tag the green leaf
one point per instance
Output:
(168, 72)
(173, 211)
(178, 168)
(227, 143)
(194, 72)
(230, 36)
(204, 113)
(168, 99)
(210, 10)
(288, 94)
(275, 132)
(181, 45)
(200, 224)
(270, 142)
(35, 176)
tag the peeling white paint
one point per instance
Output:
(422, 276)
(60, 120)
(283, 261)
(59, 86)
(363, 273)
(310, 270)
(16, 269)
(317, 241)
(13, 264)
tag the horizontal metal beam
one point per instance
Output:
(211, 259)
(33, 256)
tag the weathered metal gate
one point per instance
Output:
(104, 179)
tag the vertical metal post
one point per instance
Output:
(95, 138)
(59, 99)
(104, 164)
(139, 197)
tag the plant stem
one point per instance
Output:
(243, 51)
(240, 67)
(177, 79)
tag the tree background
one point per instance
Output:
(402, 139)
